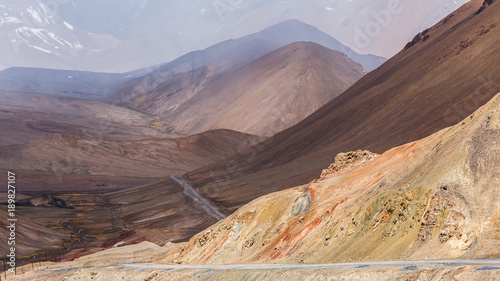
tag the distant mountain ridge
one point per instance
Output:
(120, 36)
(291, 31)
(226, 55)
(266, 96)
(245, 49)
(262, 97)
(68, 83)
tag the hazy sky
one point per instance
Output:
(100, 33)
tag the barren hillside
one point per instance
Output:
(264, 97)
(445, 74)
(70, 153)
(435, 198)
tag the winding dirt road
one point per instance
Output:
(205, 203)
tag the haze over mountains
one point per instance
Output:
(66, 83)
(418, 92)
(74, 131)
(222, 57)
(97, 35)
(264, 97)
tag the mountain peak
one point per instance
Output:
(261, 98)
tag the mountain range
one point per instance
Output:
(416, 93)
(73, 153)
(267, 95)
(271, 155)
(221, 57)
(75, 131)
(97, 35)
(402, 101)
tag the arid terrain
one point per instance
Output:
(78, 148)
(392, 105)
(434, 199)
(269, 95)
(71, 153)
(266, 157)
(432, 84)
(30, 116)
(381, 111)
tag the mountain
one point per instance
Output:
(47, 133)
(264, 97)
(31, 116)
(97, 35)
(34, 35)
(71, 153)
(291, 31)
(432, 191)
(222, 20)
(67, 83)
(411, 210)
(419, 91)
(32, 232)
(230, 55)
(216, 59)
(423, 200)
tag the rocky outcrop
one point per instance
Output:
(421, 37)
(486, 3)
(349, 160)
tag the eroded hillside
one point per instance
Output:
(433, 198)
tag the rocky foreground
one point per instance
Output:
(430, 199)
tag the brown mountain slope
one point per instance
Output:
(174, 91)
(159, 213)
(78, 154)
(435, 198)
(264, 97)
(30, 234)
(218, 58)
(395, 104)
(81, 168)
(448, 73)
(26, 117)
